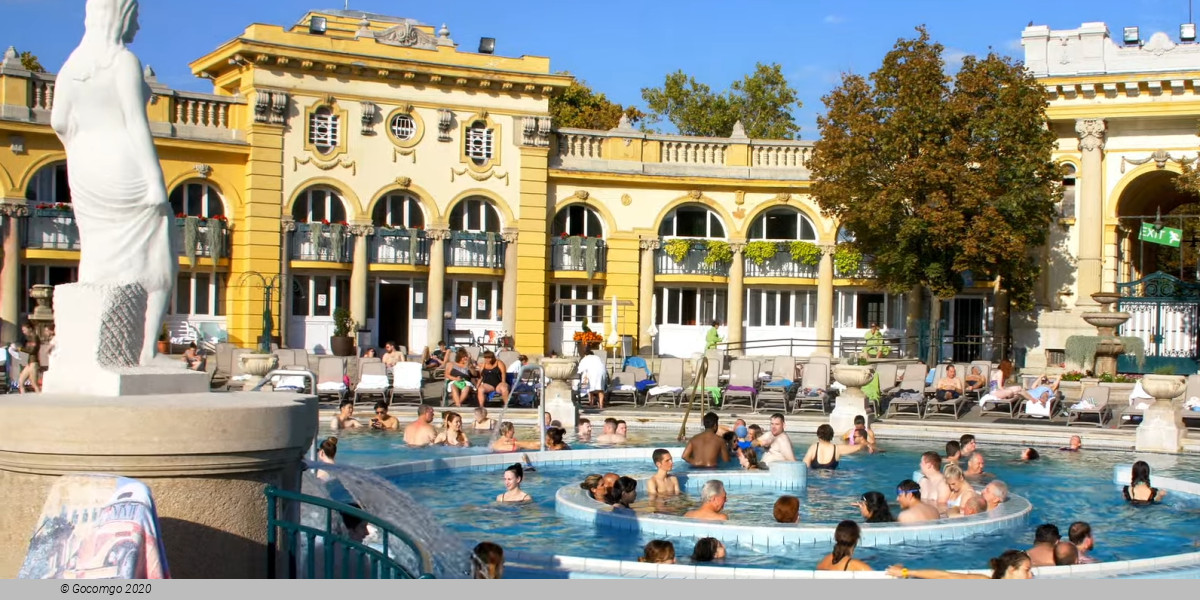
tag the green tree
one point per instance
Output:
(30, 62)
(763, 101)
(580, 107)
(934, 180)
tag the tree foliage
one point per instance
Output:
(763, 101)
(29, 62)
(935, 179)
(580, 107)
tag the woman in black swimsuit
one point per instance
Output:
(491, 378)
(1139, 492)
(824, 453)
(845, 539)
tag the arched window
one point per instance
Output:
(319, 203)
(1066, 208)
(479, 145)
(398, 210)
(196, 199)
(49, 185)
(783, 224)
(693, 220)
(324, 131)
(475, 214)
(578, 219)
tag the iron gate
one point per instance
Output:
(1165, 314)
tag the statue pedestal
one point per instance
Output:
(207, 459)
(1161, 429)
(560, 405)
(851, 402)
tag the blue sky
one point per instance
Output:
(621, 46)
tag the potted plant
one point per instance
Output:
(164, 340)
(341, 343)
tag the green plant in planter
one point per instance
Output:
(1165, 370)
(342, 323)
(677, 249)
(1073, 376)
(191, 230)
(806, 253)
(719, 253)
(760, 252)
(847, 259)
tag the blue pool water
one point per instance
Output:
(1063, 487)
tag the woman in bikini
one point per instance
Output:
(824, 453)
(845, 539)
(960, 490)
(452, 433)
(508, 442)
(491, 378)
(1139, 492)
(512, 485)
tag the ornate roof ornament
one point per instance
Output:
(408, 36)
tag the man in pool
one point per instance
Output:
(1075, 445)
(966, 445)
(421, 432)
(706, 448)
(912, 509)
(382, 420)
(1044, 540)
(723, 429)
(663, 483)
(482, 421)
(777, 443)
(1080, 534)
(973, 506)
(1065, 553)
(583, 431)
(934, 489)
(975, 467)
(622, 430)
(610, 433)
(995, 493)
(712, 502)
(953, 451)
(345, 417)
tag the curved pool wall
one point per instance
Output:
(545, 565)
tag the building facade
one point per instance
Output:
(372, 165)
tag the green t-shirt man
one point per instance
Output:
(713, 338)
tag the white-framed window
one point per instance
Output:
(399, 210)
(49, 184)
(32, 275)
(323, 130)
(403, 126)
(196, 199)
(318, 295)
(199, 293)
(474, 299)
(691, 306)
(572, 313)
(318, 203)
(693, 220)
(780, 308)
(479, 143)
(859, 309)
(783, 224)
(578, 219)
(475, 215)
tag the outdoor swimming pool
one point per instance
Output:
(1063, 487)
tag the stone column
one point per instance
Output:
(825, 305)
(287, 226)
(737, 295)
(435, 298)
(509, 301)
(646, 293)
(1091, 211)
(14, 212)
(358, 273)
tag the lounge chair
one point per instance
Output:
(670, 382)
(909, 393)
(1097, 398)
(1191, 418)
(953, 406)
(406, 383)
(813, 394)
(743, 377)
(238, 378)
(331, 382)
(222, 368)
(622, 386)
(1055, 405)
(711, 386)
(886, 373)
(779, 387)
(372, 381)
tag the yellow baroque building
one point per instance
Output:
(366, 162)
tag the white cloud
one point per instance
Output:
(1014, 45)
(834, 19)
(953, 58)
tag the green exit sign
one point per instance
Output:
(1166, 236)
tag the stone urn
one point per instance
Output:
(560, 398)
(1106, 322)
(851, 402)
(559, 369)
(1161, 429)
(258, 365)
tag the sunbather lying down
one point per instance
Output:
(1043, 390)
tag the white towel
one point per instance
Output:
(988, 399)
(1085, 404)
(658, 390)
(331, 386)
(1036, 409)
(290, 382)
(373, 382)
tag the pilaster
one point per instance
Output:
(1091, 210)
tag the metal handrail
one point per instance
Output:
(697, 382)
(539, 390)
(381, 563)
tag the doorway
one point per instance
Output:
(394, 313)
(967, 328)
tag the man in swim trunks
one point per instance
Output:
(345, 417)
(706, 448)
(1041, 394)
(777, 443)
(663, 483)
(382, 420)
(934, 489)
(392, 356)
(712, 499)
(912, 509)
(421, 432)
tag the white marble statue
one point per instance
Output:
(120, 201)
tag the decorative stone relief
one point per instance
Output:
(1159, 44)
(287, 224)
(737, 247)
(408, 36)
(509, 236)
(362, 229)
(369, 111)
(17, 144)
(1091, 133)
(739, 197)
(626, 200)
(695, 194)
(1160, 158)
(296, 162)
(739, 213)
(783, 197)
(271, 107)
(404, 182)
(445, 120)
(581, 194)
(484, 176)
(410, 152)
(14, 209)
(438, 233)
(649, 243)
(203, 170)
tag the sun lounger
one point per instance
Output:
(1093, 401)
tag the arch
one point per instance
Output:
(1143, 185)
(712, 211)
(432, 214)
(229, 192)
(403, 204)
(349, 198)
(606, 217)
(35, 166)
(606, 228)
(507, 218)
(6, 182)
(202, 181)
(707, 202)
(762, 211)
(52, 185)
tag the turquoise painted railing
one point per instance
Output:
(340, 557)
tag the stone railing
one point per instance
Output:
(780, 153)
(673, 150)
(42, 88)
(580, 144)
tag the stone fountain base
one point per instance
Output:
(1161, 429)
(851, 402)
(207, 459)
